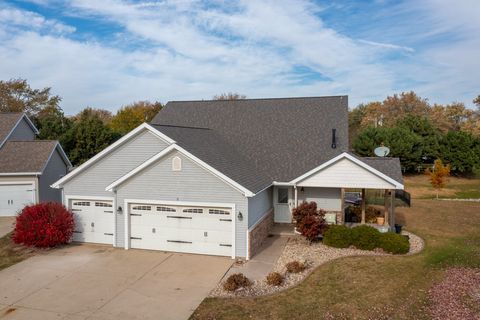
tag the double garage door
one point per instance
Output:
(94, 220)
(192, 229)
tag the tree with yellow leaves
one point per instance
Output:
(438, 175)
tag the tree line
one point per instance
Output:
(83, 135)
(418, 132)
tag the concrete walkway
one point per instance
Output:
(101, 282)
(6, 225)
(262, 263)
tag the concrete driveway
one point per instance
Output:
(6, 225)
(100, 282)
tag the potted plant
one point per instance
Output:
(380, 220)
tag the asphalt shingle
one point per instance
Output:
(25, 156)
(7, 122)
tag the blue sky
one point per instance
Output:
(109, 53)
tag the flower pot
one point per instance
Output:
(380, 220)
(398, 228)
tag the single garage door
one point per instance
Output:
(13, 197)
(204, 230)
(94, 220)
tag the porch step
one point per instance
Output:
(283, 230)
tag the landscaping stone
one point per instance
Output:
(312, 255)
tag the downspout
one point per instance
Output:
(296, 195)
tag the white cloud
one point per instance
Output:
(191, 51)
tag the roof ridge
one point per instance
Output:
(251, 99)
(175, 126)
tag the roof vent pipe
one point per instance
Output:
(334, 139)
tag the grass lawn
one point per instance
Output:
(10, 253)
(393, 287)
(461, 188)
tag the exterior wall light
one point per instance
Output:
(240, 216)
(119, 209)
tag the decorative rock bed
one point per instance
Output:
(314, 255)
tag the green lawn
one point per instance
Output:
(391, 287)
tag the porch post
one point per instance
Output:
(392, 208)
(342, 205)
(363, 206)
(296, 196)
(387, 210)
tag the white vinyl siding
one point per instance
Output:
(193, 184)
(345, 174)
(328, 199)
(94, 179)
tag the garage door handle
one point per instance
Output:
(179, 241)
(135, 238)
(108, 211)
(77, 232)
(108, 234)
(179, 217)
(224, 245)
(135, 214)
(76, 209)
(92, 224)
(230, 220)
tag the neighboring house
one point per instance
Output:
(211, 177)
(27, 166)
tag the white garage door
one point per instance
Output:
(94, 220)
(205, 230)
(13, 197)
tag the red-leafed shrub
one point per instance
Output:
(44, 225)
(309, 220)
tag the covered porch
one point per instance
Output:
(332, 185)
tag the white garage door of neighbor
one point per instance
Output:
(205, 230)
(13, 197)
(94, 220)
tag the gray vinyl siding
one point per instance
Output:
(55, 169)
(259, 205)
(93, 180)
(328, 199)
(22, 132)
(192, 183)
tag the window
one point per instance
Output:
(146, 208)
(176, 164)
(103, 204)
(218, 211)
(282, 195)
(193, 210)
(166, 209)
(82, 203)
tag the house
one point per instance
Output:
(211, 177)
(27, 166)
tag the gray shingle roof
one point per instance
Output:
(388, 166)
(25, 156)
(210, 147)
(7, 122)
(266, 139)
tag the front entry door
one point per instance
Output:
(282, 207)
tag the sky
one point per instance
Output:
(109, 53)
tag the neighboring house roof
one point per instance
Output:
(8, 122)
(263, 139)
(28, 157)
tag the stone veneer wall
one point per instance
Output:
(260, 232)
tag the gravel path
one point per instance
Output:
(312, 256)
(457, 296)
